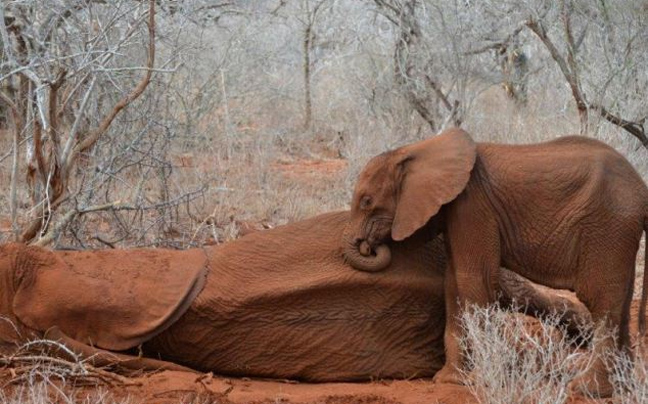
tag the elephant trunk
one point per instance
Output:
(362, 257)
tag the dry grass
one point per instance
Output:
(42, 390)
(631, 378)
(43, 371)
(515, 359)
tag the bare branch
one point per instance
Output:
(569, 75)
(453, 108)
(497, 44)
(38, 151)
(13, 187)
(66, 219)
(92, 137)
(77, 120)
(634, 128)
(571, 50)
(57, 177)
(569, 70)
(52, 109)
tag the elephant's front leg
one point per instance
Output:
(450, 373)
(471, 278)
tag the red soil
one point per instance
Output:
(184, 387)
(308, 170)
(198, 388)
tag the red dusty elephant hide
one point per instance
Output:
(280, 303)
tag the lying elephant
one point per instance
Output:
(280, 303)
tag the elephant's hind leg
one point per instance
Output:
(100, 358)
(542, 301)
(608, 298)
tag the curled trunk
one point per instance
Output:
(363, 258)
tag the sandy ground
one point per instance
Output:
(168, 387)
(183, 387)
(176, 385)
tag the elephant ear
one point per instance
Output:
(433, 173)
(112, 299)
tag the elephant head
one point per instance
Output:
(399, 191)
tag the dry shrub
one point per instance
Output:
(513, 359)
(630, 377)
(45, 391)
(41, 388)
(44, 371)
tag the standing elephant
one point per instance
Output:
(568, 213)
(279, 303)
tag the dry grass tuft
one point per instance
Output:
(513, 358)
(630, 376)
(516, 359)
(45, 391)
(44, 372)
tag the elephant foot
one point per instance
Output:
(448, 375)
(594, 383)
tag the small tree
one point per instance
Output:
(603, 58)
(54, 81)
(308, 19)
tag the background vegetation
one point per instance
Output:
(174, 123)
(226, 103)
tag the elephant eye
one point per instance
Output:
(365, 202)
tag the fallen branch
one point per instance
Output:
(23, 364)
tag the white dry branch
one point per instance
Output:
(630, 378)
(49, 70)
(512, 358)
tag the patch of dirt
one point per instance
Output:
(370, 399)
(309, 170)
(169, 387)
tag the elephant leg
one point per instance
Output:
(449, 372)
(609, 302)
(100, 358)
(543, 301)
(471, 278)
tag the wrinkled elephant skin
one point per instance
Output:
(568, 213)
(280, 303)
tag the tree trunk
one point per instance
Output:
(308, 104)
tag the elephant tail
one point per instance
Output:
(642, 306)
